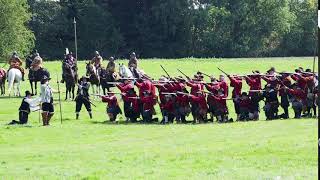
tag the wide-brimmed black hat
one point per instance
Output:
(27, 93)
(84, 77)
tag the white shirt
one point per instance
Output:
(34, 103)
(46, 93)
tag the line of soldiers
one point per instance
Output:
(176, 102)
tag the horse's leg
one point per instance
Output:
(18, 89)
(35, 87)
(72, 92)
(104, 90)
(10, 82)
(4, 87)
(66, 93)
(31, 86)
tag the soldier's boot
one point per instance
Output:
(90, 114)
(77, 116)
(44, 119)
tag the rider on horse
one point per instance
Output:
(111, 67)
(133, 64)
(97, 60)
(16, 62)
(70, 63)
(30, 58)
(37, 63)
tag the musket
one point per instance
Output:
(165, 71)
(89, 101)
(169, 93)
(223, 72)
(128, 78)
(163, 81)
(59, 99)
(257, 90)
(204, 74)
(113, 83)
(183, 74)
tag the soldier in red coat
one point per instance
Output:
(213, 89)
(130, 101)
(244, 102)
(236, 83)
(200, 113)
(167, 109)
(113, 108)
(299, 97)
(183, 107)
(147, 101)
(284, 95)
(254, 82)
(221, 111)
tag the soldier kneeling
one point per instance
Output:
(113, 108)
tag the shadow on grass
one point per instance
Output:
(11, 97)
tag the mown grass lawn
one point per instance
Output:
(91, 149)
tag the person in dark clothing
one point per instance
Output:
(83, 96)
(24, 109)
(271, 102)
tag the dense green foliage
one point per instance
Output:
(14, 32)
(176, 28)
(92, 149)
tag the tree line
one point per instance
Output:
(160, 28)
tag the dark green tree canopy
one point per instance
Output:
(170, 28)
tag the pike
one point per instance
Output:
(165, 71)
(89, 101)
(59, 99)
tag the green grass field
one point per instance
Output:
(92, 149)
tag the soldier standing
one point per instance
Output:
(83, 96)
(46, 100)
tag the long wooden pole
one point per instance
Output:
(75, 38)
(59, 99)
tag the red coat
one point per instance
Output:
(298, 94)
(195, 87)
(271, 81)
(146, 85)
(111, 100)
(162, 89)
(147, 102)
(236, 83)
(213, 88)
(182, 100)
(287, 82)
(254, 82)
(301, 81)
(168, 106)
(245, 103)
(221, 101)
(225, 87)
(201, 100)
(124, 88)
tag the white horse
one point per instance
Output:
(14, 79)
(125, 72)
